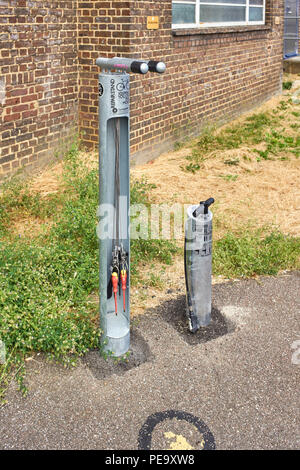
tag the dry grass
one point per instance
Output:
(250, 193)
(29, 227)
(263, 193)
(47, 182)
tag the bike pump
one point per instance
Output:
(198, 264)
(114, 197)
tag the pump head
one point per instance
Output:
(124, 64)
(203, 207)
(131, 65)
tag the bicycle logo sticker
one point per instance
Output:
(123, 85)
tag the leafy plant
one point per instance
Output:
(287, 85)
(264, 154)
(229, 177)
(192, 167)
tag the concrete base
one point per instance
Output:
(118, 334)
(292, 65)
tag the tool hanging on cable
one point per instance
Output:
(115, 266)
(119, 255)
(124, 286)
(115, 281)
(115, 270)
(124, 270)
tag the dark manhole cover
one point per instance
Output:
(175, 430)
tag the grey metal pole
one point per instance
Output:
(114, 199)
(114, 188)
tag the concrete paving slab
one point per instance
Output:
(241, 387)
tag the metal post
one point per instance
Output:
(114, 198)
(198, 264)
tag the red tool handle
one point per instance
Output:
(124, 286)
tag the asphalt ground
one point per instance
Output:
(233, 385)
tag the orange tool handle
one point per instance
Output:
(115, 282)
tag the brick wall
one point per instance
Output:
(211, 76)
(103, 29)
(48, 73)
(38, 80)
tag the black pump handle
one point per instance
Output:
(206, 205)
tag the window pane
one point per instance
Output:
(290, 47)
(291, 27)
(240, 2)
(256, 2)
(291, 8)
(218, 14)
(255, 14)
(183, 13)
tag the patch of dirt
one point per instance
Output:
(29, 227)
(172, 285)
(101, 368)
(173, 311)
(49, 181)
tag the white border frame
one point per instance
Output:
(224, 24)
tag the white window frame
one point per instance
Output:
(199, 24)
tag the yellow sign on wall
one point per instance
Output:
(152, 22)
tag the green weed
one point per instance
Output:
(229, 177)
(264, 154)
(191, 167)
(283, 105)
(287, 85)
(255, 253)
